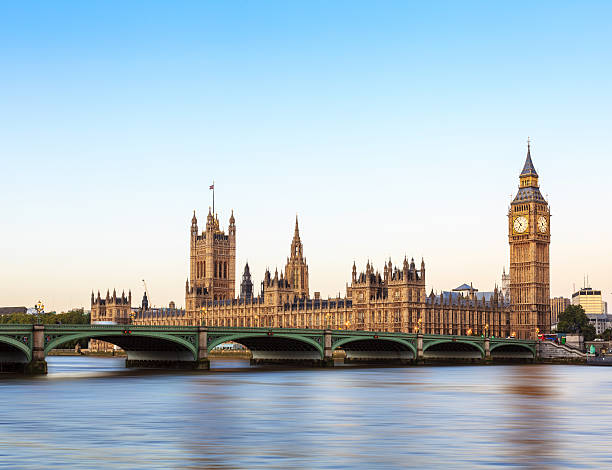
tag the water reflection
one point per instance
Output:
(91, 412)
(531, 423)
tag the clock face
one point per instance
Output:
(542, 224)
(520, 224)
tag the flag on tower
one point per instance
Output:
(212, 186)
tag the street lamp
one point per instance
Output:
(487, 329)
(40, 309)
(256, 321)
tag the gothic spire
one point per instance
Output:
(528, 168)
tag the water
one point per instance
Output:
(92, 413)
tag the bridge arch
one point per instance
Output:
(268, 346)
(403, 344)
(453, 349)
(364, 348)
(12, 350)
(138, 345)
(512, 350)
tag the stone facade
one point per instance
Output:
(529, 238)
(392, 300)
(111, 309)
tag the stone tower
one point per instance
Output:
(212, 267)
(246, 286)
(296, 270)
(529, 238)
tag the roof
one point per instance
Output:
(528, 168)
(464, 287)
(529, 194)
(10, 310)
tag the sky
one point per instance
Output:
(391, 128)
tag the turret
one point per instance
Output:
(232, 225)
(210, 221)
(194, 226)
(246, 287)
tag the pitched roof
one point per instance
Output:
(463, 287)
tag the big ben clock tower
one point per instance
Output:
(529, 238)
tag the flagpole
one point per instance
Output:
(213, 185)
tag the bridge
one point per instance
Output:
(25, 347)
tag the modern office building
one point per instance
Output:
(590, 300)
(594, 307)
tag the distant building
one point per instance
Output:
(592, 303)
(108, 310)
(590, 300)
(10, 310)
(558, 306)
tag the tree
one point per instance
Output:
(606, 335)
(76, 316)
(574, 320)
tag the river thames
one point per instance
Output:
(91, 413)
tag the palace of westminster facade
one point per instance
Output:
(394, 300)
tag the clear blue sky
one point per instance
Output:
(391, 128)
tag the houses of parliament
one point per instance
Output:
(393, 298)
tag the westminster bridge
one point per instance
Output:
(25, 347)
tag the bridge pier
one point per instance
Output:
(38, 364)
(328, 358)
(487, 348)
(202, 363)
(420, 356)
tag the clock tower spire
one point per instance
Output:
(529, 239)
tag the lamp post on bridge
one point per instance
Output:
(419, 325)
(40, 309)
